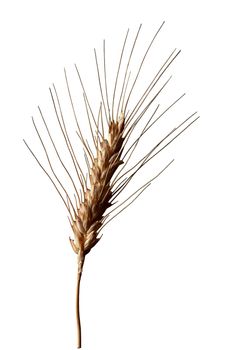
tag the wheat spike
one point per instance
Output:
(99, 194)
(109, 166)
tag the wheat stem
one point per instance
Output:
(79, 274)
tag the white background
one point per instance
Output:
(160, 277)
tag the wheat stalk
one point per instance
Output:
(108, 160)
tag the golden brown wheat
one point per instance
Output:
(108, 164)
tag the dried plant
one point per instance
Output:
(108, 159)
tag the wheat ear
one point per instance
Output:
(97, 199)
(109, 159)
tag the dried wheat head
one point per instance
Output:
(108, 159)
